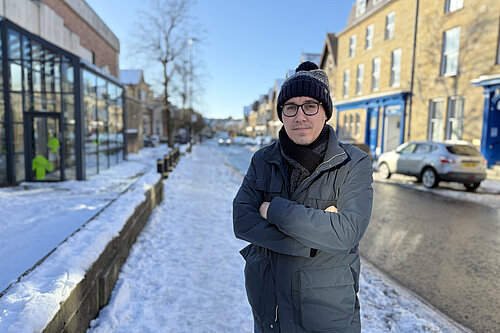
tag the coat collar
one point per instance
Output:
(334, 153)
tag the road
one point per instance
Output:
(444, 249)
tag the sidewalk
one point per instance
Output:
(184, 273)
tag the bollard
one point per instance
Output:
(166, 164)
(159, 166)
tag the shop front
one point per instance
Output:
(385, 119)
(60, 117)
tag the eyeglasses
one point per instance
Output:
(309, 109)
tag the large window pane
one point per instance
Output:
(69, 108)
(68, 78)
(15, 76)
(90, 164)
(14, 45)
(19, 167)
(16, 102)
(18, 130)
(3, 168)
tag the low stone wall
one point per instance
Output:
(93, 292)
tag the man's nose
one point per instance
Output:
(301, 116)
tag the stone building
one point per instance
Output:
(139, 108)
(418, 70)
(61, 106)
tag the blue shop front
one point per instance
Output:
(490, 136)
(385, 119)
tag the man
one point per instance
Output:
(302, 266)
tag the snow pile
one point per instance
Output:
(30, 304)
(184, 273)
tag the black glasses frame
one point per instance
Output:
(301, 106)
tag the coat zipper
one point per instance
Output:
(276, 316)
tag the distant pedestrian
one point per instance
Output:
(304, 205)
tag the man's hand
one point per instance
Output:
(331, 209)
(263, 209)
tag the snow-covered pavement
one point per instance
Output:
(184, 273)
(36, 217)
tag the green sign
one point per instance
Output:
(54, 144)
(40, 164)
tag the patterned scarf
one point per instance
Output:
(302, 160)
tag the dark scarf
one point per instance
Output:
(302, 160)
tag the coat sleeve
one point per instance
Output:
(326, 231)
(250, 226)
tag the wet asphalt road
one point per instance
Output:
(445, 250)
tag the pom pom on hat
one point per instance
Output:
(306, 66)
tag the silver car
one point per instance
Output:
(432, 162)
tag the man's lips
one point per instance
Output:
(301, 128)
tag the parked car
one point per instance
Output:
(432, 162)
(150, 142)
(225, 141)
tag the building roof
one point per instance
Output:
(370, 7)
(330, 47)
(131, 76)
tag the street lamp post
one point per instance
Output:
(190, 95)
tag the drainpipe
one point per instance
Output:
(410, 104)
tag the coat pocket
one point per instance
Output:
(327, 298)
(321, 197)
(259, 283)
(269, 187)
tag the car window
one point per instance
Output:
(408, 149)
(463, 150)
(422, 148)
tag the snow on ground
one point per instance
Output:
(487, 194)
(184, 273)
(36, 217)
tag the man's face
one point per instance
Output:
(303, 129)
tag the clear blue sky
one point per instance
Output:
(247, 44)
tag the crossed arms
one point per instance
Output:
(287, 227)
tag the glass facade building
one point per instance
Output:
(60, 117)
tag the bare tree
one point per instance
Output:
(160, 37)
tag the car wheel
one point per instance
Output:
(429, 178)
(383, 171)
(471, 186)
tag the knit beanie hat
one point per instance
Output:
(308, 80)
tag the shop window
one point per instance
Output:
(455, 122)
(396, 68)
(389, 25)
(352, 46)
(358, 125)
(453, 5)
(451, 46)
(436, 120)
(346, 126)
(359, 79)
(369, 37)
(375, 74)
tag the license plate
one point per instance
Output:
(470, 164)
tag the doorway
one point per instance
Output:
(44, 148)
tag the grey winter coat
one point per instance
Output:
(291, 287)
